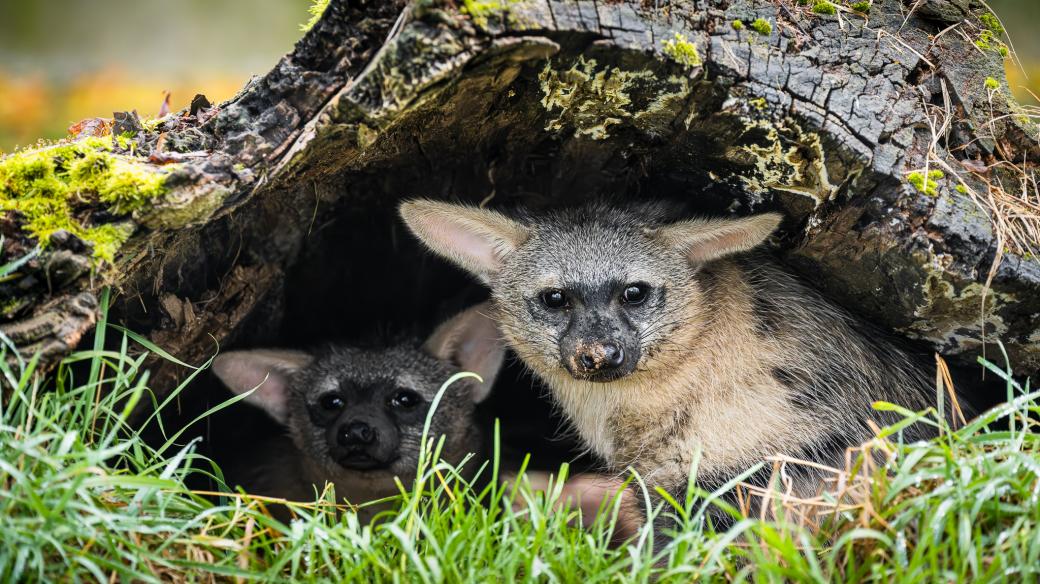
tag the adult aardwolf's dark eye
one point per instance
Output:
(634, 294)
(555, 299)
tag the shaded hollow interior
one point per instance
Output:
(351, 272)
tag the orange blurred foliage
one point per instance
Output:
(1024, 84)
(34, 108)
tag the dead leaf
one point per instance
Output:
(164, 109)
(91, 127)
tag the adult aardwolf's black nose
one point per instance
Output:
(608, 355)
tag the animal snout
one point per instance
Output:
(607, 355)
(356, 433)
(595, 357)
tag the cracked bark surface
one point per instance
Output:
(279, 222)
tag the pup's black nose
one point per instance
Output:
(355, 433)
(601, 356)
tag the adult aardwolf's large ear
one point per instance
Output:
(703, 240)
(475, 239)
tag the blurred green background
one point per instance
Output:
(65, 60)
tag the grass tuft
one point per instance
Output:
(83, 497)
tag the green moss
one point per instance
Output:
(861, 7)
(128, 187)
(682, 51)
(737, 24)
(316, 9)
(929, 185)
(985, 40)
(992, 23)
(126, 141)
(988, 40)
(762, 27)
(961, 189)
(992, 83)
(824, 7)
(152, 124)
(11, 307)
(481, 10)
(51, 188)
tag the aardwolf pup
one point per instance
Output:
(660, 338)
(356, 416)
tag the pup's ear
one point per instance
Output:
(471, 341)
(703, 240)
(266, 370)
(475, 239)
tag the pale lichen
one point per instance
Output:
(592, 100)
(185, 206)
(366, 136)
(783, 157)
(669, 99)
(589, 100)
(947, 306)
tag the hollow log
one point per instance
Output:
(885, 133)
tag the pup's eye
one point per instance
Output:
(405, 398)
(331, 401)
(634, 294)
(554, 298)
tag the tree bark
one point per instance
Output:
(278, 222)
